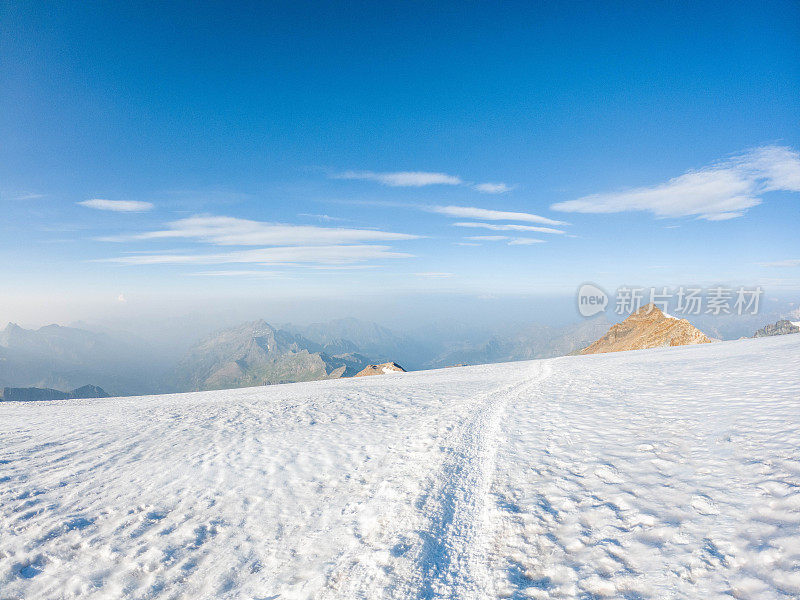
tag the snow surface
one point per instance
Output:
(666, 473)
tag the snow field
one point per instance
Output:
(669, 473)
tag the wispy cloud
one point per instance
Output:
(493, 188)
(434, 275)
(287, 255)
(524, 242)
(505, 227)
(297, 245)
(402, 178)
(791, 262)
(724, 190)
(117, 205)
(472, 212)
(232, 231)
(421, 179)
(512, 241)
(326, 218)
(29, 196)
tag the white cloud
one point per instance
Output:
(300, 245)
(434, 275)
(287, 255)
(791, 262)
(121, 298)
(117, 205)
(493, 188)
(501, 238)
(339, 267)
(721, 191)
(778, 166)
(421, 179)
(403, 178)
(472, 212)
(496, 227)
(322, 217)
(524, 242)
(232, 231)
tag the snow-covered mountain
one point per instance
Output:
(665, 473)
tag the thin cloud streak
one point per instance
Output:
(327, 218)
(117, 205)
(719, 192)
(524, 242)
(512, 241)
(493, 188)
(509, 227)
(326, 255)
(232, 231)
(422, 179)
(403, 178)
(472, 212)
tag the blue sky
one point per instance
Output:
(293, 150)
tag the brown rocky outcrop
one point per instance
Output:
(647, 328)
(382, 369)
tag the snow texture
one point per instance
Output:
(667, 473)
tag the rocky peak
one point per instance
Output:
(782, 327)
(382, 369)
(648, 327)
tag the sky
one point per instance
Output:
(193, 156)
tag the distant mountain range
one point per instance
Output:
(370, 339)
(65, 358)
(258, 354)
(29, 394)
(526, 342)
